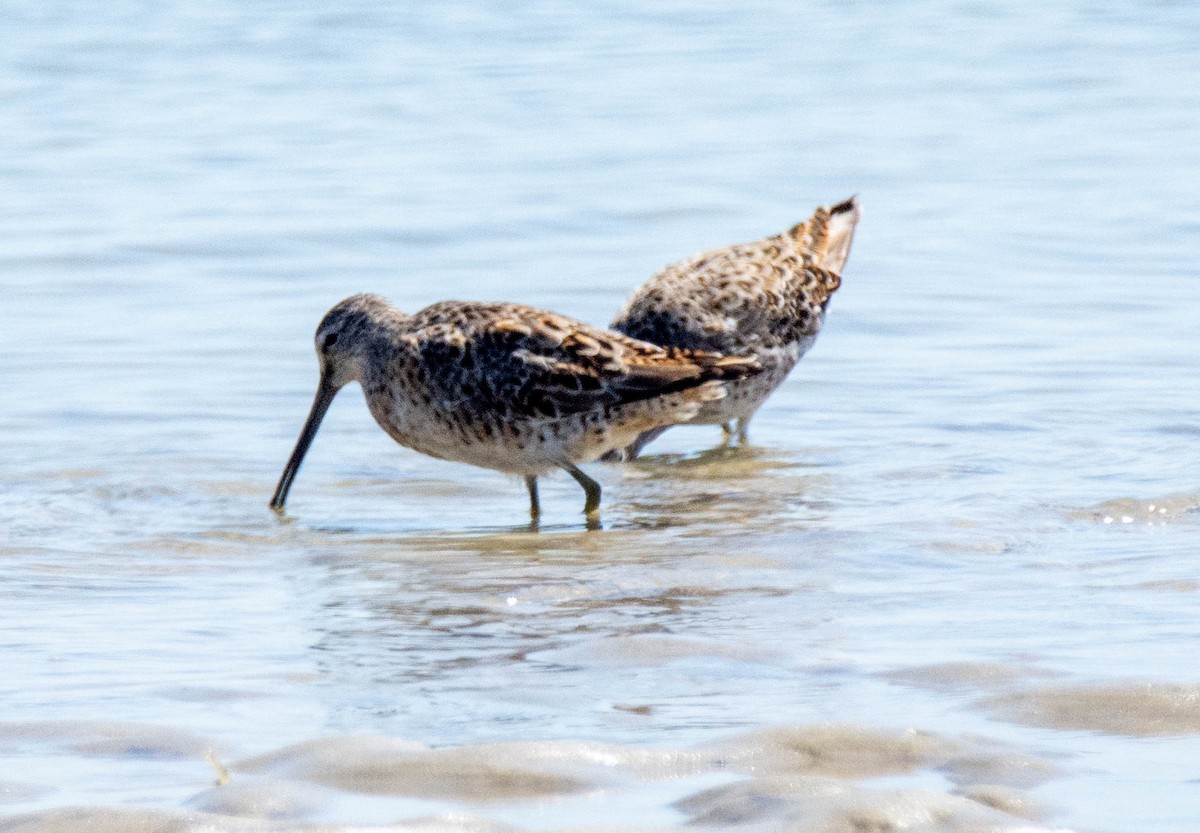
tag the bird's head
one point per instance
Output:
(346, 339)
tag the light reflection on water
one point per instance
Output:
(943, 520)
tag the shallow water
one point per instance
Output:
(950, 585)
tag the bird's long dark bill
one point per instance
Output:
(325, 394)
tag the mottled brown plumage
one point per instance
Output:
(505, 386)
(765, 300)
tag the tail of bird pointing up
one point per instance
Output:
(826, 236)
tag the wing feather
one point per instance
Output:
(510, 359)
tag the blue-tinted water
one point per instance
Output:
(943, 522)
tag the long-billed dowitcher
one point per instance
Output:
(505, 386)
(764, 299)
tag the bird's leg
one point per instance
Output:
(726, 434)
(742, 425)
(614, 455)
(591, 491)
(535, 508)
(643, 439)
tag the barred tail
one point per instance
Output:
(843, 218)
(718, 366)
(825, 237)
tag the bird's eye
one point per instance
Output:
(329, 341)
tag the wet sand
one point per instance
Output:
(821, 777)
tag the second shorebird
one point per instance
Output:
(506, 387)
(764, 300)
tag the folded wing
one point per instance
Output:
(506, 358)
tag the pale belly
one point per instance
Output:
(528, 446)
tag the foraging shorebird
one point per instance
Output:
(764, 300)
(505, 386)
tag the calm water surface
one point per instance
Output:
(951, 584)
